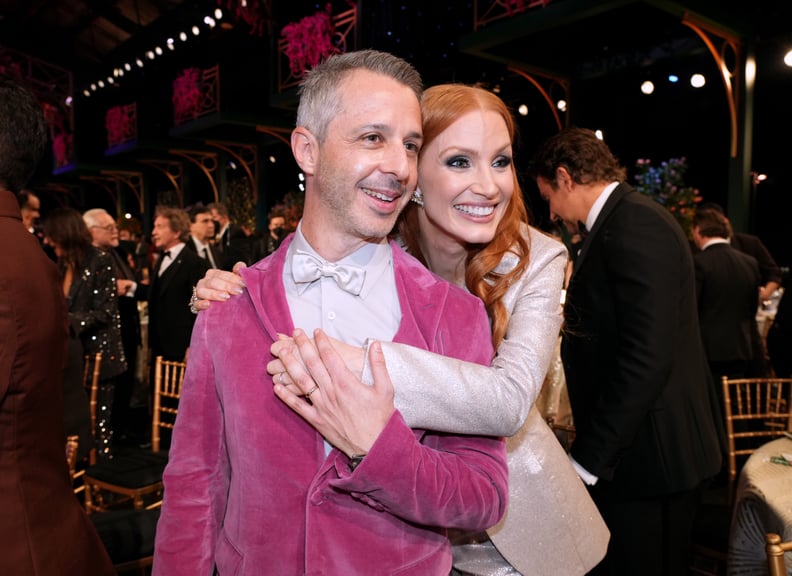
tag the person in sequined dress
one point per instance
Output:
(90, 289)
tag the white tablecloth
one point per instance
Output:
(763, 503)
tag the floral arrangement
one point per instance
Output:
(665, 184)
(187, 95)
(309, 41)
(119, 124)
(255, 13)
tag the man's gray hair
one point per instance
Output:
(319, 97)
(91, 217)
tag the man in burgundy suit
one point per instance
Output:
(43, 529)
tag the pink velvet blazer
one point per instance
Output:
(248, 488)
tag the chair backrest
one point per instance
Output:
(91, 368)
(72, 444)
(775, 549)
(756, 410)
(168, 379)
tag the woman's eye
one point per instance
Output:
(458, 162)
(502, 162)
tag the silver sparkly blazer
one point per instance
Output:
(551, 526)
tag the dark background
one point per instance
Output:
(606, 52)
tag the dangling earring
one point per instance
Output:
(417, 197)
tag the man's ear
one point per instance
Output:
(563, 177)
(305, 149)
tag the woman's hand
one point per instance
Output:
(348, 413)
(217, 285)
(353, 356)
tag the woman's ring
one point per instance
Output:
(280, 378)
(312, 390)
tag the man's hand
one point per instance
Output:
(349, 414)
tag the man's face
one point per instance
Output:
(367, 167)
(275, 223)
(203, 228)
(30, 212)
(564, 206)
(104, 232)
(162, 235)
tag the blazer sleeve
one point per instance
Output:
(441, 393)
(450, 481)
(187, 535)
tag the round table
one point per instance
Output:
(763, 503)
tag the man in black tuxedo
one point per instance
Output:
(727, 283)
(230, 239)
(104, 232)
(648, 434)
(201, 235)
(175, 273)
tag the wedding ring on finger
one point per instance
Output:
(311, 391)
(280, 380)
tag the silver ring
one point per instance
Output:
(194, 300)
(280, 378)
(312, 390)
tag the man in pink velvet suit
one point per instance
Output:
(251, 487)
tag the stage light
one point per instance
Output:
(209, 21)
(150, 55)
(522, 110)
(218, 14)
(196, 31)
(183, 36)
(561, 105)
(139, 63)
(647, 87)
(673, 78)
(788, 58)
(158, 51)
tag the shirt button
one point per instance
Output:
(331, 315)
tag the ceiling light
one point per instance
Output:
(100, 84)
(169, 43)
(93, 87)
(86, 92)
(561, 105)
(788, 58)
(218, 14)
(158, 51)
(196, 30)
(183, 36)
(209, 21)
(128, 67)
(150, 55)
(139, 62)
(647, 87)
(522, 110)
(697, 80)
(673, 78)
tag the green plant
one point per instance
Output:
(665, 184)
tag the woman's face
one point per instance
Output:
(467, 179)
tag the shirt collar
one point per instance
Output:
(596, 208)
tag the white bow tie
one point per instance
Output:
(306, 268)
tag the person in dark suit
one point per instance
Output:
(648, 435)
(230, 239)
(202, 234)
(727, 284)
(44, 530)
(175, 273)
